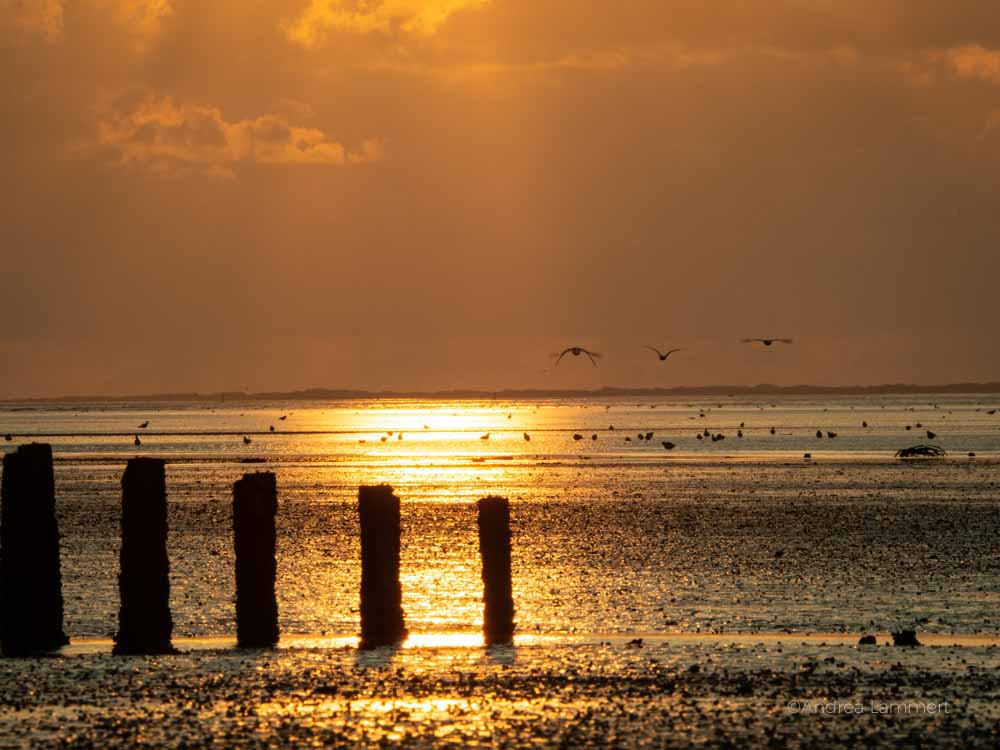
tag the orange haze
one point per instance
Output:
(212, 195)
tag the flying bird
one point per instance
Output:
(144, 425)
(931, 435)
(663, 355)
(576, 351)
(767, 342)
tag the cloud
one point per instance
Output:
(141, 20)
(420, 17)
(973, 61)
(157, 135)
(41, 17)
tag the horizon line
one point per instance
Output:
(360, 394)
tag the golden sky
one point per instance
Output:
(212, 194)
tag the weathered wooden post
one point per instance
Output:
(144, 622)
(494, 547)
(31, 603)
(381, 594)
(255, 504)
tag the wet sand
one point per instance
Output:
(747, 573)
(742, 547)
(670, 692)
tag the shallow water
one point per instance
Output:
(738, 535)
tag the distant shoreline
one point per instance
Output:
(525, 394)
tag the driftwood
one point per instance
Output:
(921, 451)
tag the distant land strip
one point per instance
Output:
(525, 394)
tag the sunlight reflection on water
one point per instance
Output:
(609, 535)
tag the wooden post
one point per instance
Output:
(31, 603)
(144, 622)
(255, 504)
(494, 548)
(381, 594)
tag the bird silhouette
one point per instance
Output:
(8, 438)
(576, 351)
(485, 437)
(577, 436)
(931, 435)
(663, 355)
(283, 417)
(767, 342)
(527, 438)
(819, 433)
(144, 425)
(668, 445)
(272, 428)
(831, 435)
(246, 440)
(137, 441)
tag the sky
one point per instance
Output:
(204, 195)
